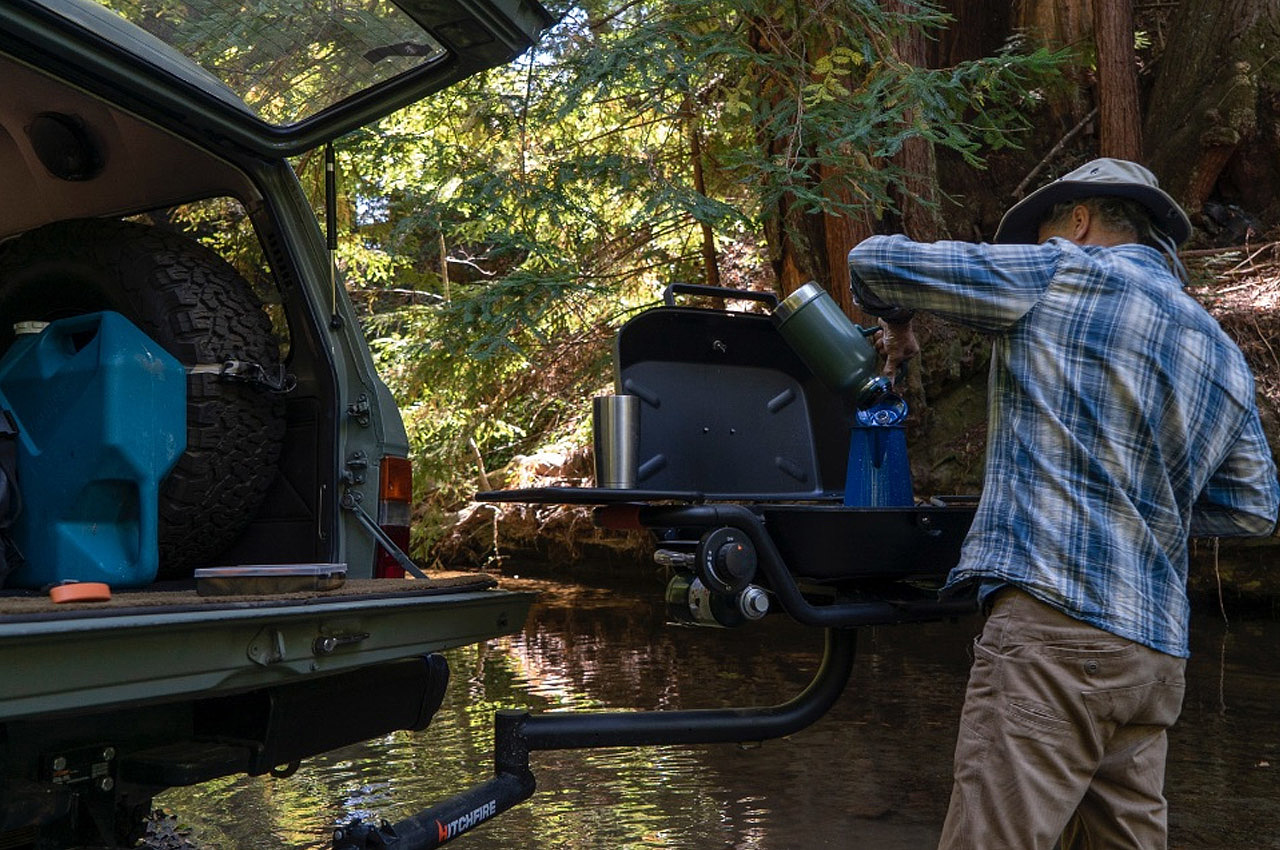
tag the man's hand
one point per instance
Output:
(898, 344)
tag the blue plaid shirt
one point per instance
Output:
(1121, 422)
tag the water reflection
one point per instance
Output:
(874, 773)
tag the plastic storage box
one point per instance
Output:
(267, 579)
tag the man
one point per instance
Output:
(1121, 421)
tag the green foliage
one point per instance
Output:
(499, 232)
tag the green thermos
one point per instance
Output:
(831, 345)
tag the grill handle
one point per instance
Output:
(669, 294)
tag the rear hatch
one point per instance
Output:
(270, 78)
(276, 77)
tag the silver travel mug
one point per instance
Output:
(615, 422)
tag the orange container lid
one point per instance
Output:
(81, 591)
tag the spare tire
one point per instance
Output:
(194, 304)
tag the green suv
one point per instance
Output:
(119, 120)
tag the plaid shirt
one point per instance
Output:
(1121, 421)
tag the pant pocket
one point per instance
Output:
(982, 692)
(1037, 719)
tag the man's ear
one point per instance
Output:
(1081, 219)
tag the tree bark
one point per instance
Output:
(1212, 114)
(980, 28)
(806, 245)
(710, 260)
(918, 200)
(1120, 127)
(815, 246)
(1057, 24)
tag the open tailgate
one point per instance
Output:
(161, 645)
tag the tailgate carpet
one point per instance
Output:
(33, 604)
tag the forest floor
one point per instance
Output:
(1239, 286)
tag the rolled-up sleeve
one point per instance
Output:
(988, 287)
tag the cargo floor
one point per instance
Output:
(16, 605)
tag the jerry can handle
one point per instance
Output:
(71, 335)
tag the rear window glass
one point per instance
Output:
(288, 59)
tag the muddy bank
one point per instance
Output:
(554, 538)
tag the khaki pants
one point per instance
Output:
(1063, 730)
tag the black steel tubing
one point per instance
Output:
(835, 615)
(570, 731)
(442, 822)
(517, 733)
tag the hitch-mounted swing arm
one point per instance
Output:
(518, 733)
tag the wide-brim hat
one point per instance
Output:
(1101, 177)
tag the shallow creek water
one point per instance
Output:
(873, 773)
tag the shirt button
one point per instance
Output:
(1091, 667)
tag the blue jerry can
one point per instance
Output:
(101, 413)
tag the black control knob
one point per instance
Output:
(726, 560)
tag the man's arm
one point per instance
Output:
(985, 286)
(1243, 497)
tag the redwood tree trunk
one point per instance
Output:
(814, 246)
(1211, 124)
(918, 202)
(1120, 127)
(805, 245)
(1060, 23)
(980, 28)
(1054, 22)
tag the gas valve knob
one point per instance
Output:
(726, 560)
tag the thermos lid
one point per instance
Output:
(790, 305)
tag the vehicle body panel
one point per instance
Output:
(151, 672)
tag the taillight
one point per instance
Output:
(395, 503)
